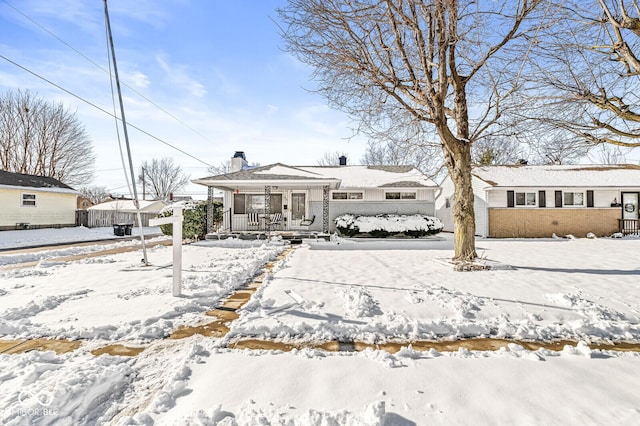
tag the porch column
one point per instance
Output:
(210, 210)
(325, 209)
(267, 207)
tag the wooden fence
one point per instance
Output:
(106, 218)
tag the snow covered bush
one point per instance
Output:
(383, 225)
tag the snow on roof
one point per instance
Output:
(348, 176)
(623, 175)
(373, 176)
(128, 206)
(290, 171)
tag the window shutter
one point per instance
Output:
(542, 199)
(589, 198)
(558, 198)
(510, 199)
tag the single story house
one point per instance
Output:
(128, 206)
(522, 201)
(290, 198)
(30, 201)
(122, 212)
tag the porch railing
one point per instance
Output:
(227, 225)
(629, 226)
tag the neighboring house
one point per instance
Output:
(35, 202)
(523, 201)
(311, 197)
(122, 211)
(84, 203)
(128, 206)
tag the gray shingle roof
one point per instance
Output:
(30, 181)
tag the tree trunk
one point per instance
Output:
(464, 225)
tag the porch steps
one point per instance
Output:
(293, 237)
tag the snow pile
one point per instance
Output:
(416, 225)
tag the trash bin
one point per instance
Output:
(118, 230)
(127, 228)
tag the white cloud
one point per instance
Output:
(138, 79)
(178, 76)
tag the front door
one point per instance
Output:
(630, 205)
(298, 208)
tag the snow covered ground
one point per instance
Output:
(374, 291)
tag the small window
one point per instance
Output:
(447, 203)
(400, 195)
(28, 200)
(347, 196)
(525, 198)
(573, 198)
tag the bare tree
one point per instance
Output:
(496, 151)
(221, 169)
(43, 138)
(163, 177)
(332, 158)
(425, 157)
(95, 194)
(608, 154)
(588, 75)
(225, 167)
(445, 64)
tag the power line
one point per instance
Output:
(102, 109)
(103, 69)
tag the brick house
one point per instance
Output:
(522, 201)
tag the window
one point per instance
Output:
(573, 198)
(447, 202)
(28, 200)
(400, 195)
(347, 195)
(525, 198)
(254, 203)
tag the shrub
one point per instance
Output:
(383, 225)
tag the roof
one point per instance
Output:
(128, 206)
(20, 180)
(578, 175)
(340, 176)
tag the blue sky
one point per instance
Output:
(216, 65)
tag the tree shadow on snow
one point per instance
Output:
(582, 271)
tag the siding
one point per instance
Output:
(601, 197)
(442, 212)
(52, 209)
(338, 208)
(480, 206)
(373, 203)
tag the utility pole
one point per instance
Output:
(126, 135)
(144, 184)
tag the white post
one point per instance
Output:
(177, 250)
(176, 222)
